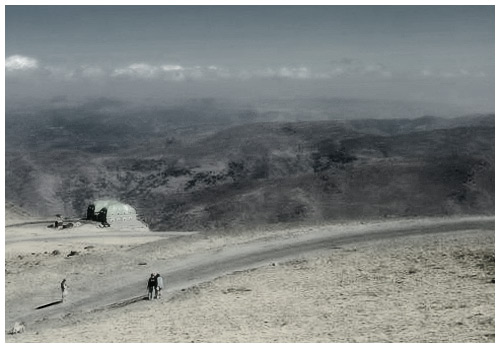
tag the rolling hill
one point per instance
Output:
(252, 174)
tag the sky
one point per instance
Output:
(415, 53)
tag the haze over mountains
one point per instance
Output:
(211, 163)
(208, 117)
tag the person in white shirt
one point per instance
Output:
(64, 289)
(159, 285)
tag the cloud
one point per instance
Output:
(177, 72)
(451, 74)
(23, 67)
(60, 72)
(294, 73)
(20, 63)
(217, 72)
(355, 67)
(346, 67)
(138, 70)
(283, 72)
(168, 72)
(172, 72)
(172, 68)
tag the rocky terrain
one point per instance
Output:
(430, 286)
(246, 179)
(234, 170)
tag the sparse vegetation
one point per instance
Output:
(260, 173)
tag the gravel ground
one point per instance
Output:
(432, 288)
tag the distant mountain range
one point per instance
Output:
(238, 169)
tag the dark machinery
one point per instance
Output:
(100, 216)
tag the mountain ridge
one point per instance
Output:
(271, 173)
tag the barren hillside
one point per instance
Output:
(264, 173)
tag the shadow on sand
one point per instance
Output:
(49, 304)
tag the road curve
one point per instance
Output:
(195, 269)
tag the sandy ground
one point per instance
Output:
(432, 288)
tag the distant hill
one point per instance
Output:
(261, 173)
(15, 213)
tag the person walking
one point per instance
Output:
(151, 286)
(64, 290)
(159, 285)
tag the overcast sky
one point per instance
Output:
(422, 53)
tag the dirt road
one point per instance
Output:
(199, 267)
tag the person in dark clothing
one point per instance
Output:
(91, 212)
(102, 217)
(151, 286)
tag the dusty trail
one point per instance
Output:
(82, 235)
(201, 267)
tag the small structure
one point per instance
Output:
(111, 212)
(59, 221)
(60, 224)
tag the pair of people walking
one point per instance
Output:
(155, 285)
